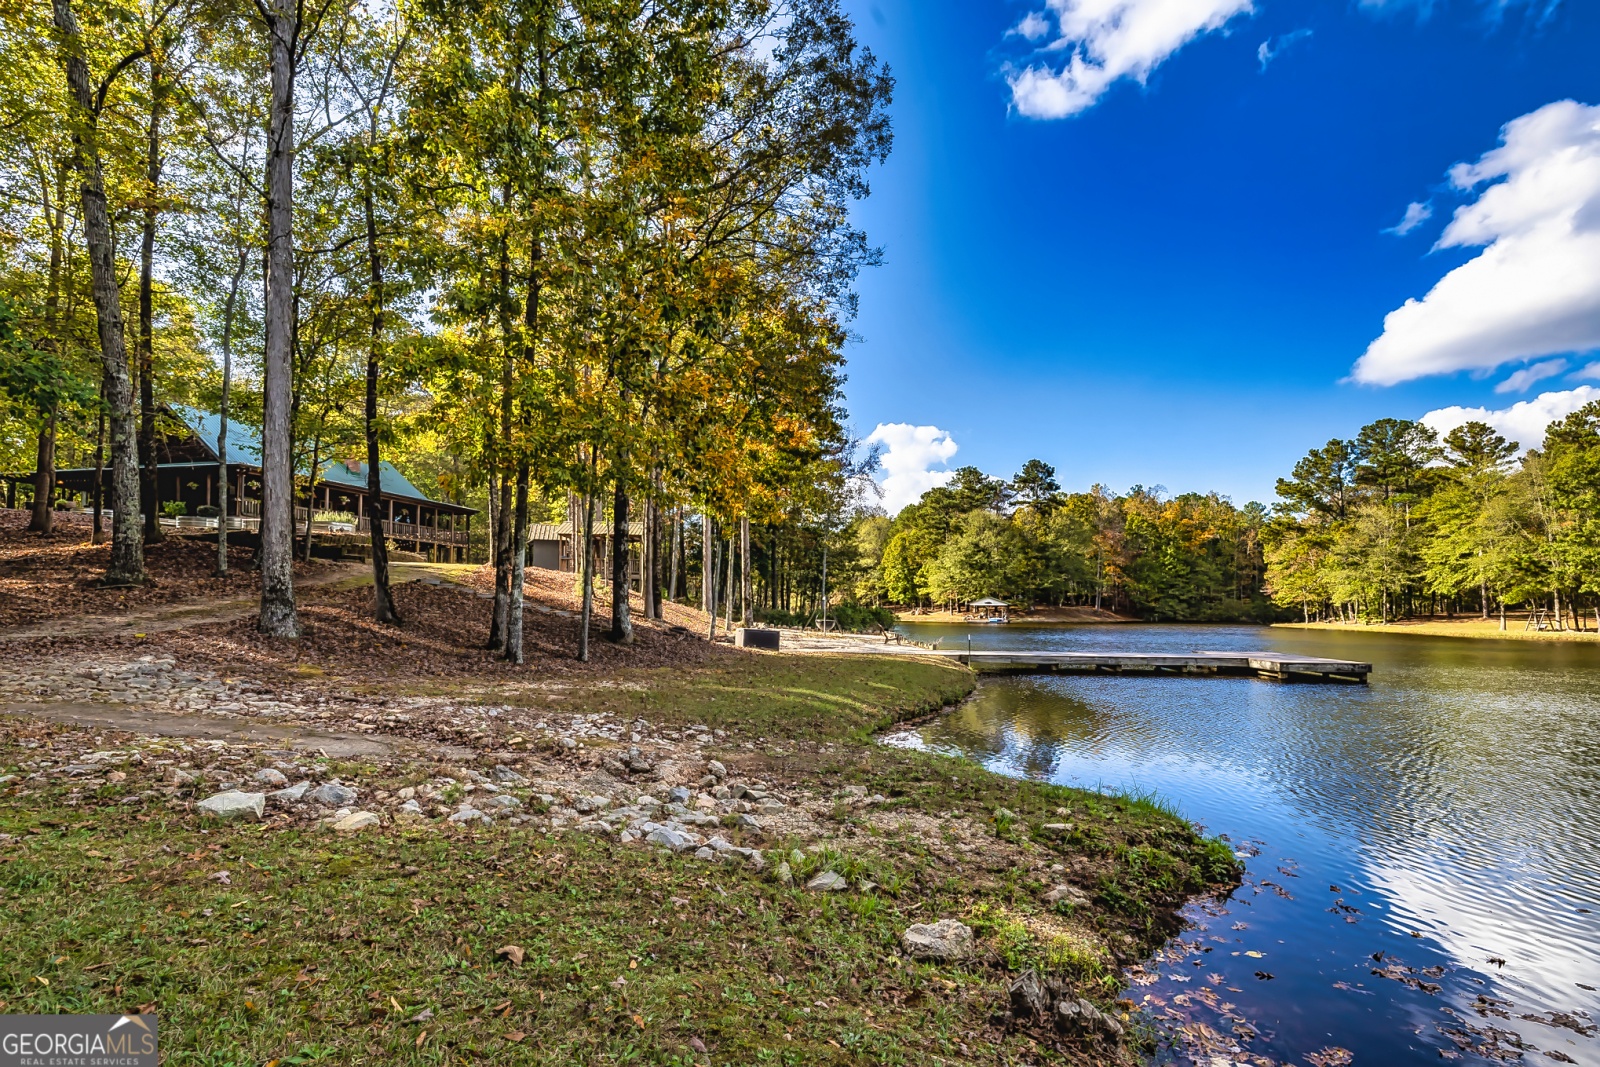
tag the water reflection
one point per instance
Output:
(1425, 827)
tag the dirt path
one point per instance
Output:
(139, 720)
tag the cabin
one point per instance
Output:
(337, 501)
(554, 547)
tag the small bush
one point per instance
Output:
(173, 508)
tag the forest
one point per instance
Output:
(1190, 557)
(546, 257)
(1399, 522)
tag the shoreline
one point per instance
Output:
(1475, 629)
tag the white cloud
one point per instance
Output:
(1522, 380)
(1107, 40)
(1268, 50)
(1524, 421)
(1033, 26)
(909, 452)
(1591, 371)
(1534, 290)
(1416, 214)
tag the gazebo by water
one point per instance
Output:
(988, 608)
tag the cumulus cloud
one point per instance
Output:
(1524, 421)
(1522, 380)
(909, 453)
(1591, 371)
(1416, 214)
(1270, 49)
(1105, 41)
(1534, 290)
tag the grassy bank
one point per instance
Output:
(1471, 628)
(281, 943)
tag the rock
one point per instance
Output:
(569, 744)
(334, 794)
(407, 792)
(592, 826)
(751, 823)
(179, 776)
(946, 939)
(1060, 828)
(502, 802)
(705, 853)
(679, 795)
(1081, 1017)
(506, 776)
(1069, 893)
(594, 803)
(1028, 997)
(411, 810)
(785, 874)
(268, 776)
(614, 768)
(640, 765)
(676, 840)
(234, 803)
(708, 782)
(291, 795)
(716, 768)
(357, 820)
(467, 814)
(646, 802)
(828, 882)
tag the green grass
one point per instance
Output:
(325, 948)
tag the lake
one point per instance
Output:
(1422, 854)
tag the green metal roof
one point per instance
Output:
(244, 446)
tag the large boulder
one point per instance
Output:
(946, 939)
(1084, 1019)
(233, 804)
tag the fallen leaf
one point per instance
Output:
(1264, 976)
(421, 1037)
(394, 1004)
(1253, 954)
(515, 1036)
(422, 1016)
(696, 1044)
(514, 953)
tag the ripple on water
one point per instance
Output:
(1442, 819)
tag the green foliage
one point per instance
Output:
(1463, 520)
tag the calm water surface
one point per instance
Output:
(1428, 826)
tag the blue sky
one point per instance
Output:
(1165, 263)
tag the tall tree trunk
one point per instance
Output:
(587, 613)
(621, 616)
(677, 547)
(519, 558)
(728, 591)
(382, 600)
(228, 311)
(127, 545)
(278, 615)
(44, 470)
(97, 494)
(494, 515)
(747, 605)
(708, 580)
(150, 485)
(502, 554)
(311, 491)
(44, 476)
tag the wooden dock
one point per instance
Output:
(1281, 666)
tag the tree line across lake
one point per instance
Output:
(1396, 522)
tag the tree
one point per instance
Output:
(1036, 486)
(1323, 482)
(127, 545)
